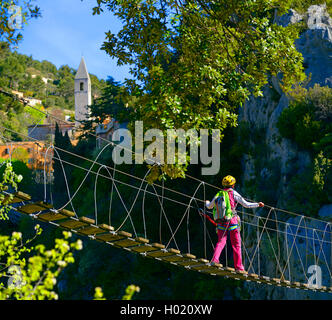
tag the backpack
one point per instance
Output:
(222, 210)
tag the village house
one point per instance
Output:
(30, 152)
(45, 80)
(31, 101)
(46, 132)
(18, 94)
(33, 152)
(104, 131)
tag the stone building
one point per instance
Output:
(105, 130)
(45, 132)
(82, 93)
(34, 154)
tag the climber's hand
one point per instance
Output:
(261, 204)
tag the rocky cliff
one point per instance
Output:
(273, 161)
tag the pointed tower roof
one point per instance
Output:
(82, 72)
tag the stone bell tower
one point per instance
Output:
(82, 93)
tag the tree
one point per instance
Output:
(30, 271)
(62, 171)
(21, 154)
(9, 180)
(14, 14)
(48, 67)
(194, 63)
(109, 104)
(130, 291)
(11, 68)
(308, 118)
(97, 86)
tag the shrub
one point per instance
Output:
(324, 145)
(308, 118)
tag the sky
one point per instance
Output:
(67, 31)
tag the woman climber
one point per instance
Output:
(226, 219)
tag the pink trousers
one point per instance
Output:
(236, 245)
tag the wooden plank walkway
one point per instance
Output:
(85, 226)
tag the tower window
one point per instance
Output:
(81, 86)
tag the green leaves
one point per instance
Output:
(195, 63)
(9, 10)
(32, 271)
(130, 290)
(99, 295)
(200, 52)
(307, 119)
(9, 179)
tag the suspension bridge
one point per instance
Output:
(278, 246)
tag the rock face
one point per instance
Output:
(310, 242)
(325, 212)
(316, 46)
(281, 158)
